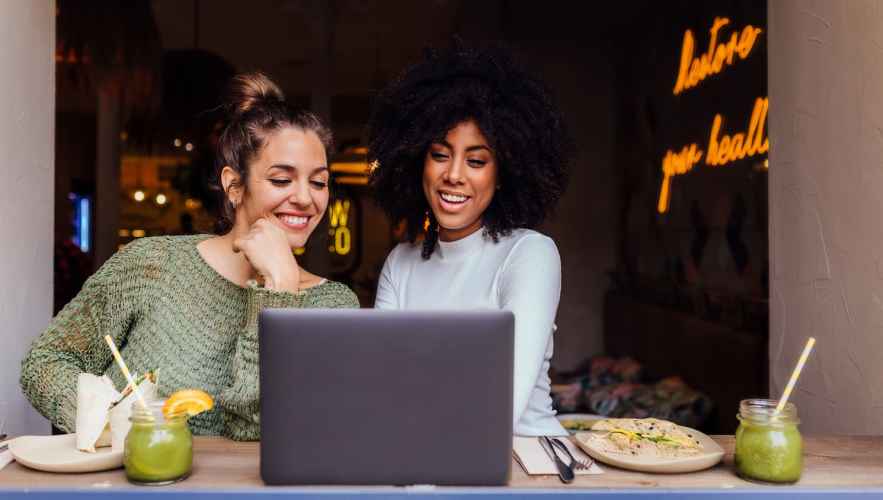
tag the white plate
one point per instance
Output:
(60, 454)
(711, 454)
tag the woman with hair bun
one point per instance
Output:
(471, 155)
(187, 306)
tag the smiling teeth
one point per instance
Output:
(293, 220)
(453, 198)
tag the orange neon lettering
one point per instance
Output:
(761, 124)
(676, 164)
(723, 155)
(737, 151)
(750, 150)
(746, 40)
(722, 149)
(686, 57)
(729, 148)
(692, 70)
(711, 158)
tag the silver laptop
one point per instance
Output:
(367, 397)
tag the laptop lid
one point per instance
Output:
(364, 396)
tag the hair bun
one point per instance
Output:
(247, 90)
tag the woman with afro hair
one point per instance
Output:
(471, 154)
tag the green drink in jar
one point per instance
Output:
(769, 446)
(158, 449)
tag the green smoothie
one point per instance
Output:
(158, 453)
(768, 451)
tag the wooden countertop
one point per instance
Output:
(848, 463)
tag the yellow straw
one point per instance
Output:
(795, 374)
(124, 369)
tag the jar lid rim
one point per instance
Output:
(766, 409)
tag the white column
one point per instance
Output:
(27, 131)
(826, 209)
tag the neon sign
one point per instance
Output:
(718, 56)
(339, 231)
(82, 236)
(721, 150)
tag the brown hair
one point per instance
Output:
(255, 107)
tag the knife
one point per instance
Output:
(564, 471)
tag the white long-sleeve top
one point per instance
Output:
(521, 273)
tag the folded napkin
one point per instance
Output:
(5, 456)
(99, 424)
(533, 459)
(94, 397)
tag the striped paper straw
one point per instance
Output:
(124, 368)
(795, 374)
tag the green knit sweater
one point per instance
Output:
(167, 310)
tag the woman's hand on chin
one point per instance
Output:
(267, 250)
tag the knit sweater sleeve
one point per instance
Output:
(240, 401)
(74, 343)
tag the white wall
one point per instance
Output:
(826, 201)
(27, 101)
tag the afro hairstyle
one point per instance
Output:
(513, 110)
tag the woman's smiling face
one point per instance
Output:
(288, 179)
(459, 180)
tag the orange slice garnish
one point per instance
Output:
(188, 402)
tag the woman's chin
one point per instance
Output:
(296, 242)
(448, 223)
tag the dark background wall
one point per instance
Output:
(611, 67)
(371, 42)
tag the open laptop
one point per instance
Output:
(366, 397)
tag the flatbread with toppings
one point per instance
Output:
(642, 438)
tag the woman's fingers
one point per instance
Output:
(270, 222)
(267, 250)
(271, 217)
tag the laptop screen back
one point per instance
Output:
(386, 397)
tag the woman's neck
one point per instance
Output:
(218, 253)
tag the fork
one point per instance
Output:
(574, 463)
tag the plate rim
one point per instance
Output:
(579, 416)
(91, 463)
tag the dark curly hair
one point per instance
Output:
(512, 109)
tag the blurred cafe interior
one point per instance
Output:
(662, 232)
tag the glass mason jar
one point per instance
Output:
(768, 446)
(158, 451)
